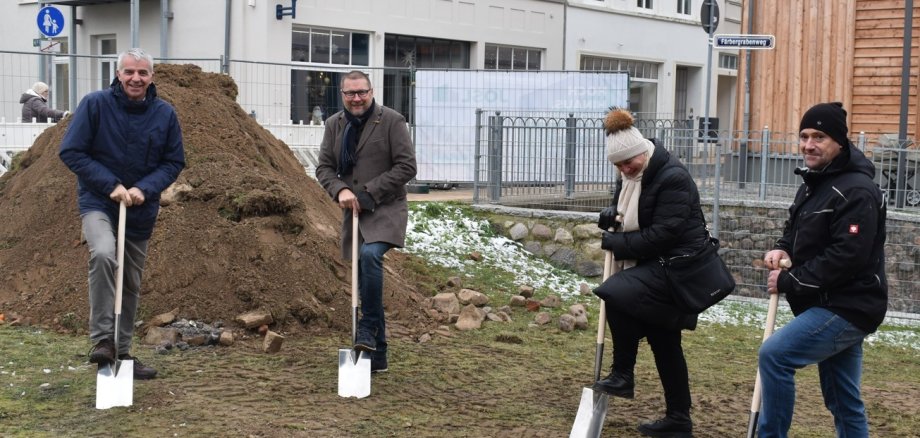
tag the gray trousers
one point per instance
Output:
(103, 264)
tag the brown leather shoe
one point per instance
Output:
(141, 371)
(103, 352)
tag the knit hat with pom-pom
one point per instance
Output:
(624, 141)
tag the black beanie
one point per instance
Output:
(829, 118)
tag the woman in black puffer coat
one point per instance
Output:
(657, 211)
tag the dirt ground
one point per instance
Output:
(250, 230)
(471, 385)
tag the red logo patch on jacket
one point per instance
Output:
(854, 228)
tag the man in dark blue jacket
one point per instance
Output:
(836, 287)
(125, 145)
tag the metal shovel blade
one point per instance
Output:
(589, 421)
(115, 385)
(354, 374)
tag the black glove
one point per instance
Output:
(366, 201)
(608, 219)
(607, 240)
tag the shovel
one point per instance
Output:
(354, 366)
(115, 381)
(589, 421)
(767, 331)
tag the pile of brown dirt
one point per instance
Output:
(248, 229)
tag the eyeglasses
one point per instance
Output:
(353, 93)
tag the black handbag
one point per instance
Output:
(699, 280)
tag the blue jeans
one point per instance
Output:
(815, 336)
(370, 288)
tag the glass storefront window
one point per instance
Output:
(314, 95)
(403, 53)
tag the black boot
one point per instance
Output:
(618, 383)
(673, 425)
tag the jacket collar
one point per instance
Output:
(135, 106)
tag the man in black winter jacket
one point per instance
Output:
(836, 287)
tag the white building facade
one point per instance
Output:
(287, 66)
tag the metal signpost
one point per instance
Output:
(50, 23)
(709, 16)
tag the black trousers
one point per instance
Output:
(627, 331)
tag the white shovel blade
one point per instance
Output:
(354, 375)
(589, 421)
(115, 389)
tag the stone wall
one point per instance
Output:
(571, 240)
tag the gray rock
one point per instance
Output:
(526, 291)
(577, 310)
(564, 258)
(533, 247)
(470, 318)
(563, 236)
(587, 231)
(542, 318)
(160, 335)
(587, 268)
(551, 301)
(446, 302)
(518, 231)
(469, 296)
(541, 232)
(566, 323)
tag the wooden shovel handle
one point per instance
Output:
(120, 258)
(354, 258)
(769, 325)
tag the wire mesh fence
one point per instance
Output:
(558, 162)
(538, 157)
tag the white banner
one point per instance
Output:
(446, 104)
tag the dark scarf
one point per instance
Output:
(353, 128)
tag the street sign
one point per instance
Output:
(705, 15)
(50, 21)
(751, 42)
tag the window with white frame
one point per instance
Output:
(728, 60)
(105, 45)
(315, 90)
(60, 75)
(683, 7)
(329, 46)
(643, 79)
(499, 57)
(636, 69)
(644, 4)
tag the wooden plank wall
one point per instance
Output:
(877, 64)
(841, 50)
(812, 61)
